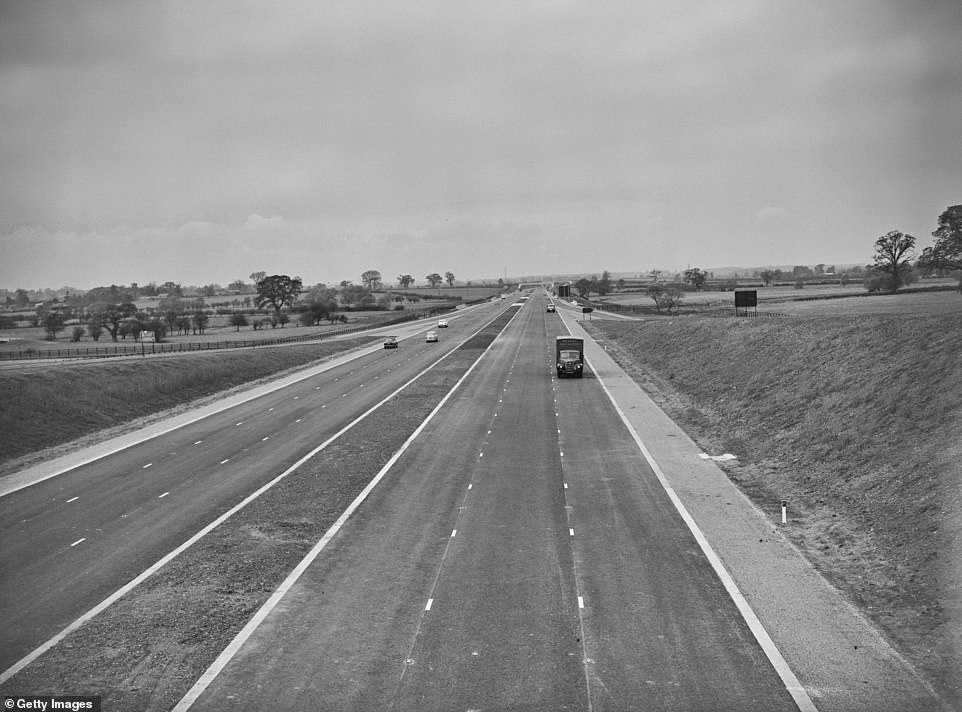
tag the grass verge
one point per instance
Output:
(70, 401)
(857, 422)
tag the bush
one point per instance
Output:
(77, 333)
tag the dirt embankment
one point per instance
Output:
(858, 422)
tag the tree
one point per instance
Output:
(603, 285)
(277, 291)
(665, 298)
(371, 279)
(111, 316)
(449, 278)
(237, 320)
(434, 279)
(893, 251)
(584, 286)
(946, 253)
(767, 277)
(257, 277)
(53, 322)
(405, 280)
(696, 278)
(200, 321)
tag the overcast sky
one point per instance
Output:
(199, 142)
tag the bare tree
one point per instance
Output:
(893, 251)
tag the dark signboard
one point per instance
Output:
(587, 310)
(746, 298)
(564, 290)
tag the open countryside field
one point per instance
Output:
(820, 299)
(854, 418)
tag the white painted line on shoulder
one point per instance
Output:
(470, 486)
(78, 541)
(571, 532)
(429, 604)
(240, 423)
(581, 602)
(269, 410)
(224, 462)
(454, 533)
(198, 442)
(791, 682)
(72, 499)
(265, 438)
(566, 485)
(147, 465)
(163, 495)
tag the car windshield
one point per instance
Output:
(569, 355)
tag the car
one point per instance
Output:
(550, 308)
(431, 337)
(390, 342)
(442, 323)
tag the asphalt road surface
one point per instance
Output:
(521, 555)
(69, 542)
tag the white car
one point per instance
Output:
(442, 323)
(431, 337)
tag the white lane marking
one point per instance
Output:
(240, 423)
(265, 438)
(72, 499)
(298, 420)
(147, 465)
(571, 532)
(454, 533)
(224, 462)
(163, 495)
(581, 602)
(566, 485)
(230, 651)
(470, 486)
(794, 687)
(78, 541)
(270, 410)
(198, 442)
(429, 604)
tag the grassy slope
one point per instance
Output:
(66, 402)
(856, 422)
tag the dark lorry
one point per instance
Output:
(569, 356)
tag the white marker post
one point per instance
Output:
(784, 505)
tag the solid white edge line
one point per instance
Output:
(782, 668)
(234, 646)
(133, 583)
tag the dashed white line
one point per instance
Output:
(454, 533)
(78, 541)
(198, 442)
(429, 604)
(163, 495)
(72, 499)
(571, 532)
(224, 462)
(581, 602)
(147, 465)
(266, 437)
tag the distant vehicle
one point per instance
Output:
(442, 323)
(431, 337)
(569, 356)
(390, 342)
(550, 308)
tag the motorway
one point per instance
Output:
(70, 541)
(522, 557)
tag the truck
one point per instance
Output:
(569, 356)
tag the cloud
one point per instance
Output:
(769, 213)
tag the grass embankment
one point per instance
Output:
(857, 422)
(63, 402)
